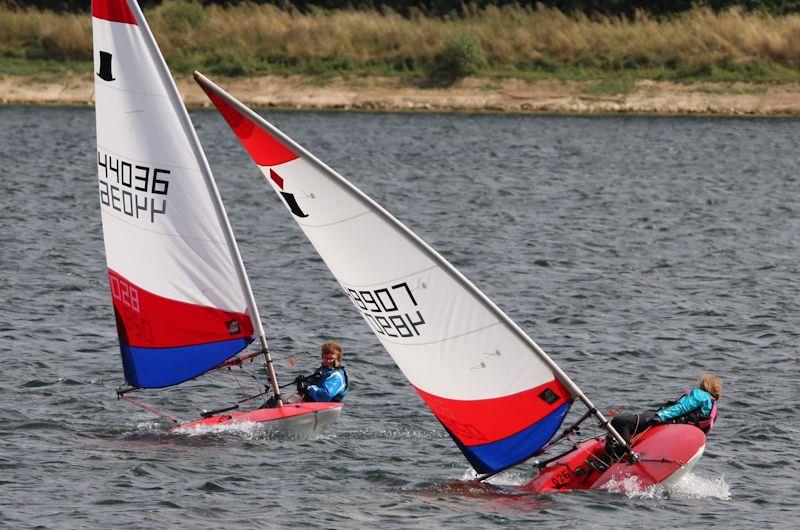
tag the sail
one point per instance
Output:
(476, 370)
(179, 295)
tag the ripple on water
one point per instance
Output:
(637, 251)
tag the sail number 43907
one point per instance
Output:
(381, 307)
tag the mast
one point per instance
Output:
(216, 199)
(416, 241)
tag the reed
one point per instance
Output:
(34, 34)
(507, 41)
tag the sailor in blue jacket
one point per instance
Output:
(329, 382)
(697, 407)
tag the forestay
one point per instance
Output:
(181, 299)
(476, 370)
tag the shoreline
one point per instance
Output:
(466, 95)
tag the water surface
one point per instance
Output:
(636, 251)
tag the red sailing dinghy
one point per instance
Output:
(663, 455)
(499, 396)
(182, 299)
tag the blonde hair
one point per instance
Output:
(711, 384)
(334, 347)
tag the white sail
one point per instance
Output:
(488, 383)
(181, 297)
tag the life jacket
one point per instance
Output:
(322, 373)
(340, 396)
(707, 424)
(695, 417)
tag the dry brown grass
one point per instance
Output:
(515, 40)
(38, 34)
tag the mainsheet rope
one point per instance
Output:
(148, 409)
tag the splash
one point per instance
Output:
(150, 426)
(469, 475)
(696, 487)
(245, 430)
(632, 488)
(512, 477)
(691, 486)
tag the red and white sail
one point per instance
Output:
(182, 300)
(485, 380)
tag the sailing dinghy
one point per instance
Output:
(499, 396)
(182, 299)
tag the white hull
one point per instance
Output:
(293, 420)
(305, 425)
(684, 470)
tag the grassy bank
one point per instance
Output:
(507, 42)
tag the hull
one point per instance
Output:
(666, 453)
(294, 420)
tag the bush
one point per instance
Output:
(462, 55)
(181, 16)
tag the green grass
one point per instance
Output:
(44, 70)
(612, 87)
(323, 71)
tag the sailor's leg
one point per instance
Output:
(626, 425)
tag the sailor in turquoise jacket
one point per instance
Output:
(698, 407)
(329, 382)
(697, 399)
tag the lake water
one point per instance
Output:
(637, 251)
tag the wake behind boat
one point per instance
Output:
(495, 391)
(182, 299)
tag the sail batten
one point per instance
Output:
(181, 297)
(497, 394)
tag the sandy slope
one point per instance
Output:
(465, 95)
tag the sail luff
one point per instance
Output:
(197, 150)
(415, 240)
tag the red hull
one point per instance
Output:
(665, 453)
(295, 417)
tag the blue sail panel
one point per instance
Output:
(161, 367)
(501, 454)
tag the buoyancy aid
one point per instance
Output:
(340, 396)
(322, 374)
(694, 417)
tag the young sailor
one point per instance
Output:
(697, 407)
(329, 382)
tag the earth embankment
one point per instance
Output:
(467, 95)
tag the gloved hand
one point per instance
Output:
(301, 383)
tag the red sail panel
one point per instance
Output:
(483, 421)
(265, 149)
(113, 10)
(152, 321)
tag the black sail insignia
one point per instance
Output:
(105, 67)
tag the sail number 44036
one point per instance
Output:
(381, 307)
(138, 191)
